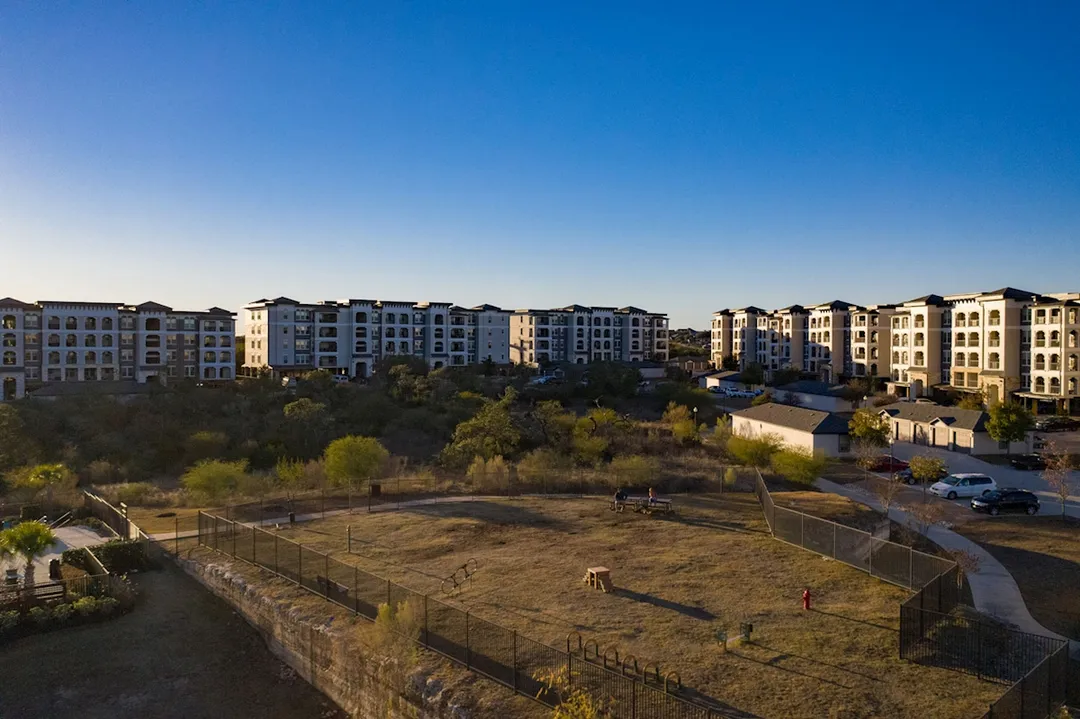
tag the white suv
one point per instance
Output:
(963, 485)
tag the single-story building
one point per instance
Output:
(814, 394)
(958, 430)
(809, 429)
(727, 379)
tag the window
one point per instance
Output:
(959, 361)
(1040, 385)
(1072, 385)
(153, 357)
(973, 339)
(1055, 385)
(209, 357)
(127, 322)
(10, 340)
(189, 356)
(973, 360)
(106, 358)
(961, 319)
(71, 358)
(71, 374)
(106, 341)
(994, 361)
(225, 373)
(127, 355)
(189, 324)
(209, 341)
(210, 326)
(153, 340)
(106, 323)
(1055, 339)
(90, 340)
(973, 319)
(1073, 363)
(32, 356)
(189, 370)
(10, 359)
(171, 324)
(90, 358)
(32, 339)
(1040, 362)
(71, 341)
(1040, 339)
(919, 359)
(1055, 362)
(994, 317)
(920, 339)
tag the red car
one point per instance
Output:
(885, 463)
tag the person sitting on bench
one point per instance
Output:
(620, 499)
(652, 496)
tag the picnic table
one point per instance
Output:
(642, 503)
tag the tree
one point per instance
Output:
(729, 364)
(753, 451)
(635, 470)
(214, 478)
(797, 465)
(612, 380)
(544, 467)
(1009, 422)
(44, 478)
(205, 445)
(683, 427)
(971, 400)
(866, 455)
(1058, 472)
(599, 435)
(926, 469)
(968, 564)
(351, 460)
(306, 421)
(556, 424)
(887, 491)
(15, 443)
(926, 514)
(289, 475)
(791, 399)
(763, 398)
(785, 375)
(867, 426)
(489, 475)
(489, 433)
(855, 391)
(721, 433)
(752, 374)
(27, 540)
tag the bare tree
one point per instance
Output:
(1058, 471)
(887, 491)
(967, 562)
(866, 454)
(926, 514)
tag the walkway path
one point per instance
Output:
(993, 589)
(66, 538)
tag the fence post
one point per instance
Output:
(326, 568)
(277, 570)
(834, 540)
(467, 642)
(514, 651)
(427, 633)
(633, 700)
(802, 529)
(254, 560)
(176, 535)
(348, 537)
(234, 539)
(910, 569)
(871, 557)
(569, 670)
(299, 565)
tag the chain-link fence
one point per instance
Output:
(501, 654)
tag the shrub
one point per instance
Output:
(8, 621)
(797, 465)
(86, 606)
(108, 606)
(730, 477)
(62, 613)
(77, 558)
(121, 556)
(213, 479)
(40, 616)
(491, 476)
(752, 451)
(635, 470)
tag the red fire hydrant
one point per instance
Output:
(806, 599)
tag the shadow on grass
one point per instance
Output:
(715, 706)
(490, 512)
(773, 663)
(790, 655)
(857, 621)
(718, 524)
(684, 609)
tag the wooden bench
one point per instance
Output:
(644, 504)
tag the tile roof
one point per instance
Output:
(800, 418)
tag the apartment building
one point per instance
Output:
(579, 335)
(349, 337)
(1006, 343)
(48, 342)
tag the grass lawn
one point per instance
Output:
(181, 654)
(678, 581)
(1043, 555)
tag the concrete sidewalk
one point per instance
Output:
(993, 589)
(66, 538)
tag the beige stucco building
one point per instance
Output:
(579, 335)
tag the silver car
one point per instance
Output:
(963, 485)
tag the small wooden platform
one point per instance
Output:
(598, 578)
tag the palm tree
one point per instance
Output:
(28, 540)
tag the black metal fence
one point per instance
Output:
(889, 561)
(489, 649)
(1038, 667)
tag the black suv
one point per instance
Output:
(1055, 423)
(1006, 500)
(1028, 461)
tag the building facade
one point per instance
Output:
(48, 342)
(578, 335)
(349, 337)
(1007, 343)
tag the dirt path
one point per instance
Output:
(182, 653)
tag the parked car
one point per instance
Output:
(340, 378)
(1057, 424)
(963, 485)
(717, 390)
(885, 463)
(1006, 500)
(905, 476)
(1028, 461)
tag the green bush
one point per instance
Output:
(77, 558)
(86, 606)
(121, 556)
(62, 613)
(40, 616)
(798, 465)
(108, 606)
(753, 451)
(8, 621)
(730, 477)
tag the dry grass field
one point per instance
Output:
(678, 581)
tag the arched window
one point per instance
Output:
(635, 346)
(607, 344)
(155, 340)
(973, 319)
(973, 339)
(1040, 339)
(1040, 362)
(10, 340)
(959, 361)
(54, 358)
(106, 323)
(919, 359)
(961, 319)
(961, 339)
(9, 359)
(361, 333)
(1055, 339)
(71, 341)
(439, 320)
(1055, 362)
(994, 361)
(153, 324)
(90, 340)
(1072, 338)
(973, 360)
(361, 347)
(994, 340)
(153, 357)
(607, 333)
(361, 316)
(403, 346)
(994, 318)
(9, 322)
(635, 322)
(438, 346)
(580, 321)
(580, 332)
(1072, 385)
(825, 337)
(106, 358)
(1040, 385)
(71, 323)
(596, 345)
(71, 358)
(389, 317)
(106, 340)
(903, 358)
(209, 373)
(1073, 363)
(90, 358)
(896, 358)
(391, 332)
(209, 357)
(90, 323)
(920, 339)
(1055, 385)
(873, 369)
(580, 346)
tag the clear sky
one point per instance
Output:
(678, 157)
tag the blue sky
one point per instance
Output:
(538, 154)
